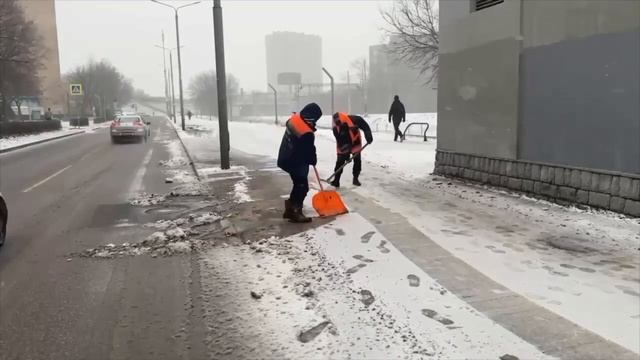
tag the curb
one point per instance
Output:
(191, 162)
(2, 151)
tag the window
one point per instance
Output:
(483, 4)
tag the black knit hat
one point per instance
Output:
(311, 112)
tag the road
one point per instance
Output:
(66, 196)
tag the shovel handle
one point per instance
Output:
(345, 164)
(318, 177)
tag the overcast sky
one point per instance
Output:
(125, 32)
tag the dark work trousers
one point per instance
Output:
(299, 177)
(357, 165)
(398, 133)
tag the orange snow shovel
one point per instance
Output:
(328, 202)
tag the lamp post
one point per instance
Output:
(275, 100)
(222, 85)
(173, 93)
(175, 10)
(164, 68)
(332, 88)
(170, 88)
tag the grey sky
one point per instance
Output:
(124, 32)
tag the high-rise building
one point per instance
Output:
(43, 15)
(290, 52)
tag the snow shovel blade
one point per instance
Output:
(328, 203)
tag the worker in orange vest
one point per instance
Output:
(346, 130)
(297, 153)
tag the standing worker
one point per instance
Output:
(398, 115)
(189, 114)
(297, 153)
(346, 129)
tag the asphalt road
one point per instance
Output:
(69, 195)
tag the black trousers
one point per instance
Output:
(398, 133)
(357, 165)
(299, 178)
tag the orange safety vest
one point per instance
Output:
(298, 126)
(354, 134)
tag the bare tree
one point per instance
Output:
(20, 54)
(100, 80)
(203, 90)
(413, 31)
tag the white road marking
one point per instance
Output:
(136, 185)
(46, 179)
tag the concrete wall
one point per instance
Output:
(580, 82)
(478, 79)
(581, 102)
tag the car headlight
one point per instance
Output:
(140, 130)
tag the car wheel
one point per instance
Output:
(113, 140)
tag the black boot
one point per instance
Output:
(298, 216)
(356, 182)
(288, 210)
(335, 183)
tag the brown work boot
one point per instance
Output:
(288, 210)
(298, 216)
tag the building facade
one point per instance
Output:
(543, 97)
(389, 76)
(306, 60)
(43, 15)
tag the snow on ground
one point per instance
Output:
(343, 291)
(377, 122)
(11, 142)
(580, 265)
(410, 159)
(15, 141)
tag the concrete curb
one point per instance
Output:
(2, 151)
(191, 162)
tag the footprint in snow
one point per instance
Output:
(356, 268)
(362, 258)
(309, 335)
(414, 281)
(340, 232)
(366, 237)
(367, 297)
(382, 247)
(432, 314)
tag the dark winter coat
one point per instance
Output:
(343, 139)
(296, 152)
(396, 112)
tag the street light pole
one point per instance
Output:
(222, 85)
(173, 93)
(332, 88)
(175, 10)
(275, 100)
(180, 74)
(164, 67)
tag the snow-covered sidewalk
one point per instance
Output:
(554, 261)
(15, 142)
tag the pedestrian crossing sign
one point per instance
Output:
(75, 89)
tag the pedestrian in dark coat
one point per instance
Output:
(346, 130)
(297, 153)
(398, 115)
